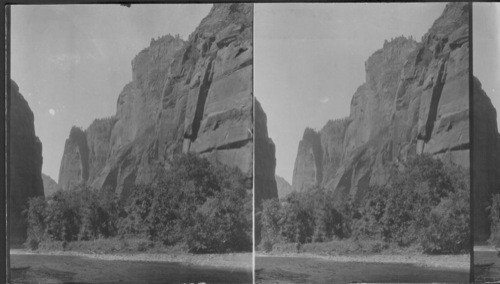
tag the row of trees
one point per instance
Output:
(203, 205)
(426, 202)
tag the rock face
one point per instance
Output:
(486, 160)
(265, 161)
(25, 163)
(49, 185)
(193, 96)
(415, 100)
(284, 188)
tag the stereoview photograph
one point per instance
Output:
(131, 143)
(362, 143)
(486, 142)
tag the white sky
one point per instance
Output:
(486, 53)
(309, 61)
(72, 61)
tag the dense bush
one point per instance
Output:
(79, 214)
(494, 214)
(302, 217)
(36, 221)
(204, 205)
(425, 203)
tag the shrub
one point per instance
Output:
(35, 215)
(425, 203)
(449, 224)
(78, 214)
(202, 204)
(494, 214)
(271, 217)
(302, 217)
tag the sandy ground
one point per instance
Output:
(357, 269)
(453, 262)
(73, 267)
(229, 260)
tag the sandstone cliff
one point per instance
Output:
(415, 100)
(486, 160)
(284, 188)
(25, 178)
(185, 96)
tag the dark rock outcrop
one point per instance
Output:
(415, 100)
(284, 188)
(486, 161)
(25, 178)
(185, 96)
(49, 185)
(265, 161)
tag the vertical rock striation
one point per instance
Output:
(185, 96)
(415, 100)
(25, 178)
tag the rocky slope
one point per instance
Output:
(49, 185)
(284, 188)
(185, 96)
(25, 176)
(486, 160)
(415, 100)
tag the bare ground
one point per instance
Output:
(300, 268)
(486, 264)
(70, 267)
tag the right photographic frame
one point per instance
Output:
(486, 142)
(362, 143)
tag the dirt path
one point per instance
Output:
(273, 269)
(33, 268)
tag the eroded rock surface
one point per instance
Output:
(415, 100)
(185, 96)
(26, 160)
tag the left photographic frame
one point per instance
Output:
(130, 137)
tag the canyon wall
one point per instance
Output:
(415, 100)
(265, 161)
(191, 96)
(25, 165)
(486, 160)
